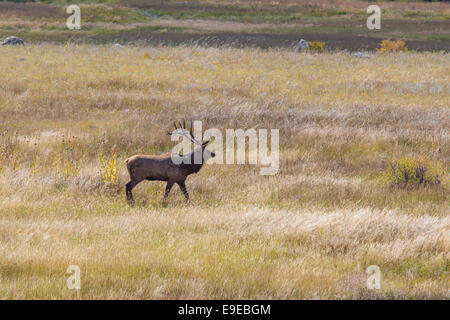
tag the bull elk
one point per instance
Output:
(163, 168)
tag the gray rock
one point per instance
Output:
(361, 55)
(12, 41)
(302, 44)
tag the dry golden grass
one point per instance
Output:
(309, 232)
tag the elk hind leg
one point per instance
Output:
(128, 187)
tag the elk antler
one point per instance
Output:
(185, 133)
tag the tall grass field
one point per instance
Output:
(354, 135)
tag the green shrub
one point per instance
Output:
(316, 46)
(109, 171)
(392, 46)
(413, 172)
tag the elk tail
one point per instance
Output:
(128, 166)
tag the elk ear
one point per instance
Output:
(204, 144)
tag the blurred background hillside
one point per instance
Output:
(340, 24)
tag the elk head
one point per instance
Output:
(200, 154)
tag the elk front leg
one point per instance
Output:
(168, 187)
(183, 188)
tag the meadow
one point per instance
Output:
(72, 114)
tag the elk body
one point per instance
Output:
(163, 168)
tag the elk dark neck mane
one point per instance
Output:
(192, 167)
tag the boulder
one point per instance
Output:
(361, 55)
(12, 41)
(302, 44)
